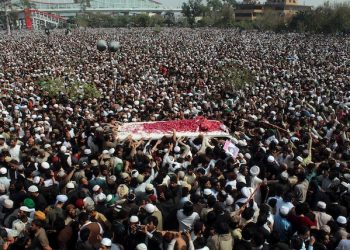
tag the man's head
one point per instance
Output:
(13, 142)
(152, 223)
(36, 225)
(33, 191)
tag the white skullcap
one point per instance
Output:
(45, 165)
(293, 139)
(207, 191)
(101, 197)
(341, 220)
(270, 159)
(47, 146)
(3, 171)
(284, 210)
(105, 152)
(36, 180)
(150, 208)
(61, 198)
(321, 205)
(4, 196)
(70, 185)
(141, 246)
(106, 242)
(134, 173)
(111, 151)
(247, 156)
(241, 178)
(149, 187)
(88, 201)
(87, 151)
(33, 189)
(254, 171)
(284, 175)
(229, 200)
(96, 188)
(109, 197)
(7, 203)
(12, 233)
(63, 149)
(25, 209)
(134, 219)
(177, 149)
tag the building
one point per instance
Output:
(249, 10)
(41, 13)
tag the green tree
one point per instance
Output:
(270, 20)
(226, 16)
(214, 5)
(192, 9)
(324, 19)
(73, 90)
(233, 3)
(156, 20)
(169, 18)
(142, 20)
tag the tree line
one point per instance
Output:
(328, 18)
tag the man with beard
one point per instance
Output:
(23, 222)
(39, 239)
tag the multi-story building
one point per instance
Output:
(249, 10)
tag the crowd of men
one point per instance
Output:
(67, 181)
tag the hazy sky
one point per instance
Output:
(177, 3)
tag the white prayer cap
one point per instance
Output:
(149, 208)
(254, 171)
(134, 219)
(3, 170)
(270, 159)
(207, 191)
(341, 220)
(70, 185)
(106, 242)
(229, 200)
(45, 165)
(61, 198)
(7, 203)
(96, 188)
(321, 205)
(33, 189)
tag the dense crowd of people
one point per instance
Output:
(67, 181)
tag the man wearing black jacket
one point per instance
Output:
(154, 239)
